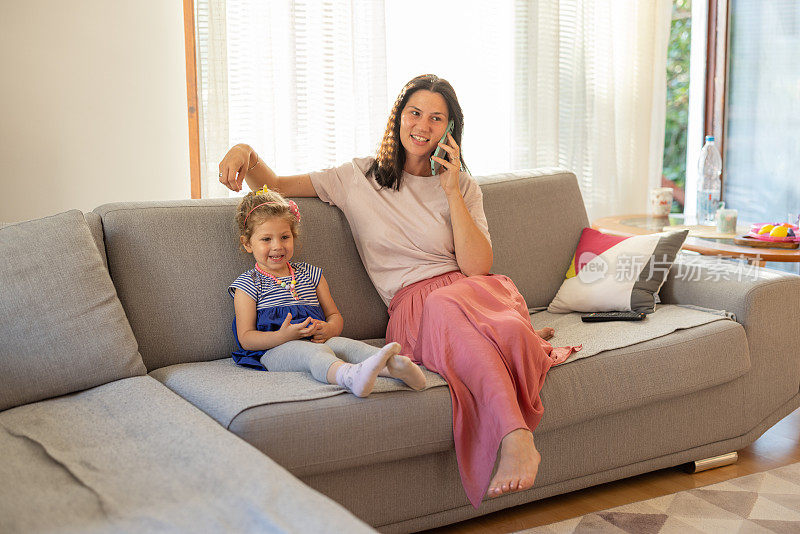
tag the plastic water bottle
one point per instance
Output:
(709, 167)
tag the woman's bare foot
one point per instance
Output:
(402, 368)
(518, 465)
(546, 333)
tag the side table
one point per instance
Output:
(702, 239)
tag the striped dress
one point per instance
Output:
(273, 302)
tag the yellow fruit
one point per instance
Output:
(778, 231)
(767, 228)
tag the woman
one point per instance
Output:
(425, 244)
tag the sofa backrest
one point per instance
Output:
(173, 261)
(62, 328)
(535, 220)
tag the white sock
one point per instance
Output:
(360, 378)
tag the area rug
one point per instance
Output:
(762, 502)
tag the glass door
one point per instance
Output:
(761, 172)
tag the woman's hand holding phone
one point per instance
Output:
(439, 151)
(450, 169)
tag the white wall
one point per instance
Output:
(92, 104)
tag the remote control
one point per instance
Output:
(597, 317)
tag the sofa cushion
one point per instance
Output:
(617, 273)
(184, 313)
(131, 456)
(339, 433)
(597, 337)
(221, 388)
(234, 397)
(677, 364)
(96, 228)
(62, 327)
(329, 434)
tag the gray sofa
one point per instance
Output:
(115, 449)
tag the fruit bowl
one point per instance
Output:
(775, 232)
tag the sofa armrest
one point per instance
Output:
(756, 295)
(767, 304)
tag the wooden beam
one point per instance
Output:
(721, 76)
(711, 62)
(191, 97)
(717, 73)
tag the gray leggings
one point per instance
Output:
(316, 357)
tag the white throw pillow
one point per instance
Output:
(613, 273)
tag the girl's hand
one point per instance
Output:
(296, 331)
(323, 331)
(451, 170)
(233, 167)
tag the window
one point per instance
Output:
(745, 60)
(762, 141)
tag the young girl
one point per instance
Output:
(286, 319)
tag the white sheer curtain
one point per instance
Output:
(591, 79)
(303, 82)
(212, 89)
(574, 83)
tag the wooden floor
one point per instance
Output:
(779, 446)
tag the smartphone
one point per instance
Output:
(439, 152)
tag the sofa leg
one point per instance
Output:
(715, 461)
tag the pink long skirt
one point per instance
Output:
(476, 332)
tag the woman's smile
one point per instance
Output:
(420, 140)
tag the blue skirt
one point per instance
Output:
(270, 320)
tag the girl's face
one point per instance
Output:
(271, 244)
(423, 122)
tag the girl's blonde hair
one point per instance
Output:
(264, 204)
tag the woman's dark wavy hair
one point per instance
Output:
(388, 165)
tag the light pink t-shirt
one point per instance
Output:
(402, 236)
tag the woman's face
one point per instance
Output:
(423, 121)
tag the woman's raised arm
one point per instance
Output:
(242, 163)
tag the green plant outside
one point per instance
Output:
(674, 169)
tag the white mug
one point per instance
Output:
(661, 201)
